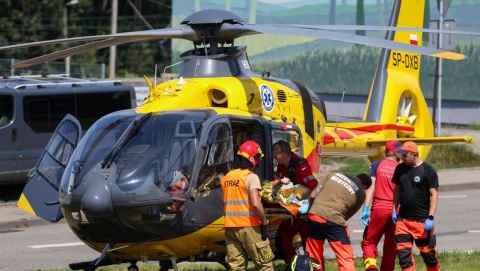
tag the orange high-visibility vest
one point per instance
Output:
(238, 208)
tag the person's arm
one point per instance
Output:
(396, 197)
(254, 187)
(433, 201)
(369, 192)
(257, 205)
(277, 180)
(315, 192)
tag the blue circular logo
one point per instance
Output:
(268, 98)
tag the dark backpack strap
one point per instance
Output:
(293, 165)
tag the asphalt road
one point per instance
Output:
(53, 246)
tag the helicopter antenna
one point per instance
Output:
(156, 66)
(340, 109)
(167, 68)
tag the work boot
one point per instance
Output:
(370, 264)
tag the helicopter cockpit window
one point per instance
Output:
(151, 151)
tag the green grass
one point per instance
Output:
(453, 156)
(474, 126)
(440, 157)
(449, 261)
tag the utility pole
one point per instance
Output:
(447, 44)
(65, 29)
(113, 49)
(438, 73)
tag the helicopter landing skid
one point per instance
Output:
(90, 266)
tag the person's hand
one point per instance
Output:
(428, 225)
(264, 230)
(285, 181)
(394, 217)
(303, 209)
(365, 217)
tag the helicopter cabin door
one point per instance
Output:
(40, 195)
(290, 133)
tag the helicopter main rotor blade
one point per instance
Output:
(222, 26)
(378, 28)
(74, 51)
(357, 39)
(183, 32)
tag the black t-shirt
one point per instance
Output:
(415, 183)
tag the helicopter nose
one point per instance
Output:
(96, 201)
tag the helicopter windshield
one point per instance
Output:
(161, 151)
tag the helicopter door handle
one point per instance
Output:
(251, 98)
(14, 134)
(179, 199)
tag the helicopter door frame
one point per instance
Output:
(47, 174)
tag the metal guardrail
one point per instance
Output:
(76, 70)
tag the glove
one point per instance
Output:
(365, 217)
(303, 209)
(394, 217)
(264, 230)
(428, 225)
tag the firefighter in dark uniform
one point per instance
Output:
(245, 220)
(291, 168)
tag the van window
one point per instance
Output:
(43, 113)
(93, 106)
(6, 109)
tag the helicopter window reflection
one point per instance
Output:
(162, 145)
(218, 157)
(91, 150)
(220, 145)
(54, 160)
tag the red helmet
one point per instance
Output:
(251, 150)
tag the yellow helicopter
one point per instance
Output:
(142, 184)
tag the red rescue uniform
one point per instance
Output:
(299, 172)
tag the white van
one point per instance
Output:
(31, 107)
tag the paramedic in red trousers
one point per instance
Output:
(379, 221)
(416, 191)
(246, 233)
(291, 168)
(336, 199)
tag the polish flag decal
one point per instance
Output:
(413, 39)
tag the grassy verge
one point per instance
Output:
(440, 157)
(474, 126)
(449, 261)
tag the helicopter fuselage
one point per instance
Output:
(145, 182)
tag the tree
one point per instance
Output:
(36, 20)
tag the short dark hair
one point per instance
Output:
(282, 146)
(241, 162)
(365, 180)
